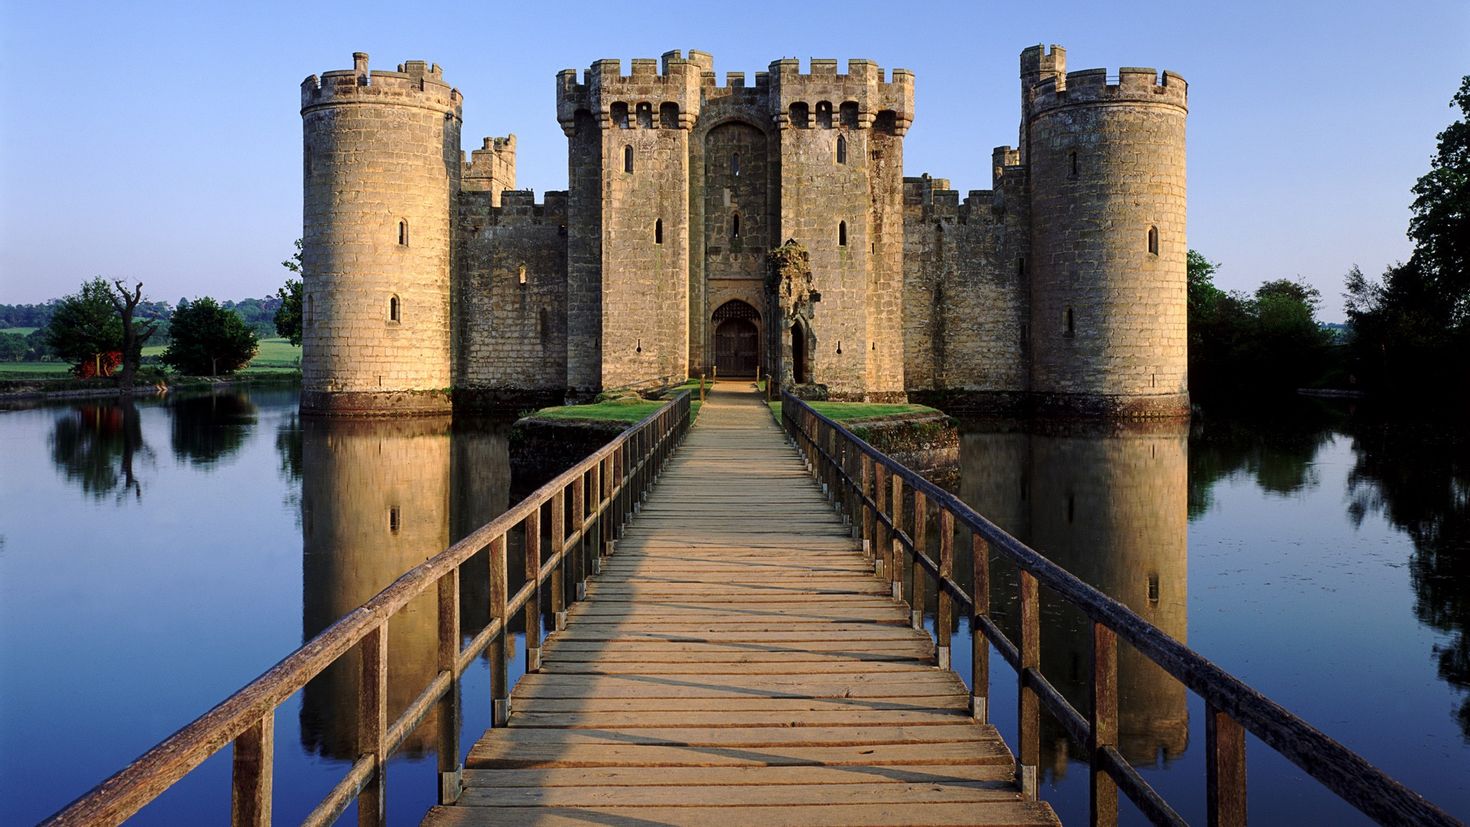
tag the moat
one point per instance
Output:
(155, 558)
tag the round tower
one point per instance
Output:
(1108, 296)
(381, 167)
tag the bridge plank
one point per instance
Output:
(737, 662)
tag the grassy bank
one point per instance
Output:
(856, 411)
(276, 357)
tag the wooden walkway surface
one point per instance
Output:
(738, 663)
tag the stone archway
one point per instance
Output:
(737, 339)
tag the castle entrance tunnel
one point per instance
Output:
(737, 339)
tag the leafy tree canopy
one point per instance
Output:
(85, 325)
(207, 339)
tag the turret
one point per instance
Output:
(1105, 157)
(492, 168)
(381, 168)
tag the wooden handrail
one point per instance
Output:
(840, 461)
(613, 480)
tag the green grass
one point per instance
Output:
(23, 331)
(33, 370)
(851, 411)
(627, 410)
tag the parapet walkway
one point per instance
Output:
(738, 663)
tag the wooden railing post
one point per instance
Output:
(979, 643)
(882, 546)
(919, 574)
(557, 536)
(944, 614)
(609, 512)
(497, 650)
(868, 516)
(895, 569)
(576, 557)
(372, 725)
(1028, 705)
(532, 612)
(252, 774)
(1103, 724)
(451, 775)
(1224, 769)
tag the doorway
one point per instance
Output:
(798, 353)
(737, 339)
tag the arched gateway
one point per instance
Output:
(736, 328)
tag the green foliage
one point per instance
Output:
(627, 409)
(13, 347)
(288, 315)
(1440, 225)
(85, 325)
(1266, 341)
(207, 339)
(850, 411)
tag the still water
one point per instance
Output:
(156, 557)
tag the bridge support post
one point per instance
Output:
(979, 643)
(498, 649)
(944, 612)
(532, 612)
(919, 575)
(576, 555)
(372, 725)
(1224, 769)
(558, 539)
(1028, 756)
(451, 775)
(251, 775)
(881, 544)
(895, 570)
(867, 510)
(1103, 725)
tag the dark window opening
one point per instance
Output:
(799, 115)
(403, 233)
(842, 233)
(735, 225)
(1073, 160)
(1069, 328)
(658, 231)
(798, 354)
(1153, 588)
(620, 115)
(1153, 240)
(849, 114)
(668, 115)
(628, 158)
(841, 149)
(394, 309)
(645, 116)
(735, 165)
(824, 114)
(1021, 267)
(1071, 508)
(395, 519)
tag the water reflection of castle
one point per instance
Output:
(1111, 506)
(378, 498)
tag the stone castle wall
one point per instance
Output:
(1061, 288)
(512, 298)
(381, 165)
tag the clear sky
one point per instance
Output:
(162, 141)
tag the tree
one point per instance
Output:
(12, 347)
(85, 327)
(205, 338)
(133, 335)
(1440, 225)
(288, 315)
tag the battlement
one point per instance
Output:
(417, 83)
(661, 93)
(1039, 61)
(491, 167)
(865, 87)
(514, 208)
(1131, 84)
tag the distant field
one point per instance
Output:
(24, 331)
(274, 356)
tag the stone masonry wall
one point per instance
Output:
(512, 295)
(380, 148)
(1108, 316)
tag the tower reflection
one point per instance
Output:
(375, 503)
(1110, 504)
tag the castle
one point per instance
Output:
(431, 280)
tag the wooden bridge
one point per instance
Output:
(752, 650)
(737, 662)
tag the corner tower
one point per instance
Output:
(1107, 185)
(381, 168)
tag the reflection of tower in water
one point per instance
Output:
(375, 503)
(1108, 503)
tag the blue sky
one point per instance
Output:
(162, 141)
